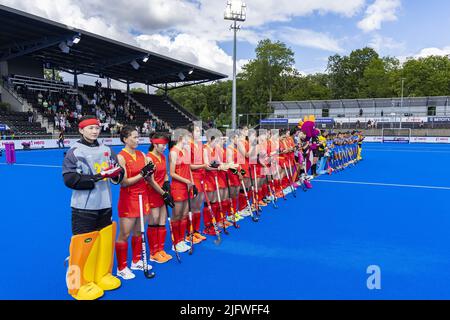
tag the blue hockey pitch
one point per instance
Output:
(387, 211)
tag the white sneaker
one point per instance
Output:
(181, 247)
(244, 213)
(185, 246)
(125, 274)
(139, 266)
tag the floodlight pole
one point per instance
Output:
(401, 103)
(233, 99)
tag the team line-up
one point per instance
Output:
(220, 182)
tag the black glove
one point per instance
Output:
(148, 170)
(214, 164)
(166, 186)
(234, 171)
(243, 172)
(194, 191)
(168, 200)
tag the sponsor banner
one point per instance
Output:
(274, 121)
(318, 120)
(412, 139)
(53, 143)
(439, 119)
(3, 127)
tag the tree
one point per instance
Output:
(48, 75)
(138, 90)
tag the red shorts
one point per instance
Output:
(155, 199)
(245, 166)
(129, 207)
(222, 179)
(210, 182)
(198, 181)
(234, 180)
(179, 194)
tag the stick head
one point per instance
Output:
(218, 241)
(148, 274)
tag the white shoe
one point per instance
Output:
(185, 246)
(139, 266)
(125, 274)
(244, 213)
(181, 247)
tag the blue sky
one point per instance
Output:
(195, 31)
(420, 24)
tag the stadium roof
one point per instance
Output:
(360, 103)
(23, 34)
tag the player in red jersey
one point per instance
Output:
(181, 174)
(158, 197)
(137, 167)
(198, 168)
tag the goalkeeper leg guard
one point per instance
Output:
(82, 261)
(103, 277)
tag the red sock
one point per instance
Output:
(152, 236)
(242, 202)
(226, 207)
(235, 203)
(183, 228)
(136, 248)
(176, 231)
(162, 232)
(206, 216)
(121, 254)
(265, 191)
(216, 211)
(196, 216)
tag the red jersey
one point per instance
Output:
(197, 159)
(160, 168)
(129, 196)
(154, 198)
(182, 168)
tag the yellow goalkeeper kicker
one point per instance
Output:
(103, 277)
(82, 262)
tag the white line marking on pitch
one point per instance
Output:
(404, 150)
(32, 165)
(385, 184)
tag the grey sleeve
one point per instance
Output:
(73, 179)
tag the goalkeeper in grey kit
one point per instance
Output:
(88, 169)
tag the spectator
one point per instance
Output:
(30, 115)
(382, 113)
(40, 96)
(360, 112)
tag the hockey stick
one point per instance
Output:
(222, 215)
(171, 234)
(213, 218)
(233, 212)
(147, 273)
(254, 217)
(191, 228)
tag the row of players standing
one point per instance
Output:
(217, 173)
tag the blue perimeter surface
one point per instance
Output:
(316, 246)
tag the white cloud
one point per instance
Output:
(382, 44)
(189, 30)
(379, 12)
(426, 52)
(310, 39)
(191, 49)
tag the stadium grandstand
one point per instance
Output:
(38, 107)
